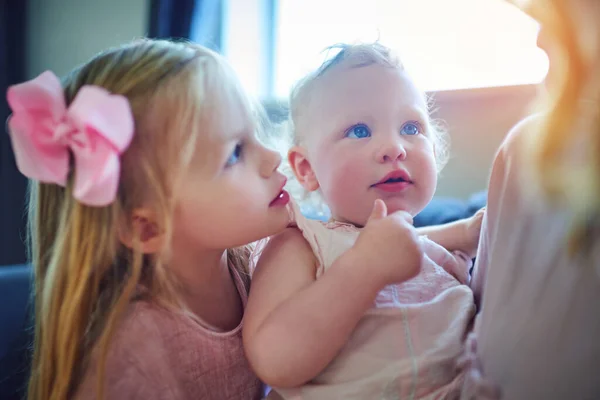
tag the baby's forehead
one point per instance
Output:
(347, 88)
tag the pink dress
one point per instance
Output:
(406, 345)
(538, 333)
(158, 354)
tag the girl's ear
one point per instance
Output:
(303, 171)
(143, 228)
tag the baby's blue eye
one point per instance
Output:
(235, 156)
(358, 132)
(410, 128)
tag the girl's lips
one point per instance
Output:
(282, 199)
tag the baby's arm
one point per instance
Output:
(461, 235)
(294, 325)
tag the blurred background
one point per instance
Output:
(477, 58)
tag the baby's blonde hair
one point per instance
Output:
(352, 56)
(572, 116)
(84, 276)
(356, 56)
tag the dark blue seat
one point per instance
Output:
(442, 210)
(16, 332)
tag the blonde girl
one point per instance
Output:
(147, 179)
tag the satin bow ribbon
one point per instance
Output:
(96, 128)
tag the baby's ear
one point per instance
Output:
(302, 168)
(142, 231)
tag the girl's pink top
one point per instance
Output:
(158, 354)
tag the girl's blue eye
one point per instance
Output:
(410, 128)
(358, 132)
(235, 156)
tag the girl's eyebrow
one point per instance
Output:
(227, 140)
(235, 136)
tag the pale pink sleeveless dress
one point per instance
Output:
(407, 344)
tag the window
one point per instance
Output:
(444, 44)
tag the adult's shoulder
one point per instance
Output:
(519, 132)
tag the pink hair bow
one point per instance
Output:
(96, 129)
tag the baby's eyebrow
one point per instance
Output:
(416, 113)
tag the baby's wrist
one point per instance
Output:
(469, 239)
(359, 265)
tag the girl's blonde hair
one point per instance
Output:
(84, 276)
(572, 115)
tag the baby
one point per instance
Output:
(363, 306)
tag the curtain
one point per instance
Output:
(196, 20)
(13, 185)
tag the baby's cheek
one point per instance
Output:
(346, 188)
(332, 183)
(426, 170)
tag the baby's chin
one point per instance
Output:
(412, 206)
(358, 215)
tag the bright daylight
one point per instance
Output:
(445, 44)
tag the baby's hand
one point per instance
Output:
(473, 230)
(389, 246)
(455, 263)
